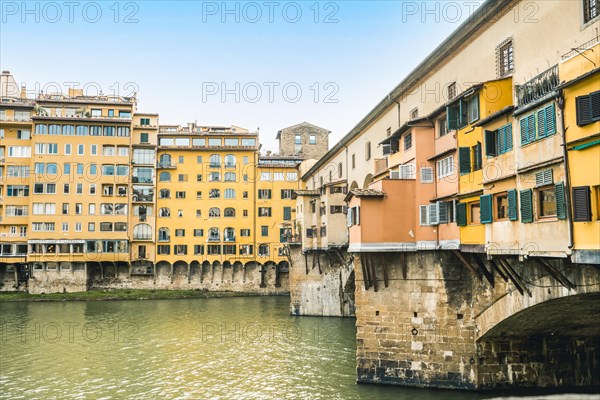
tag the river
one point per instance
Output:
(229, 348)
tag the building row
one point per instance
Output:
(89, 182)
(491, 146)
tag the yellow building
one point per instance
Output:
(15, 157)
(463, 113)
(580, 77)
(219, 203)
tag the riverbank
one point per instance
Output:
(126, 294)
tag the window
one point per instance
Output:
(245, 232)
(198, 249)
(214, 212)
(263, 250)
(163, 249)
(312, 139)
(408, 141)
(198, 232)
(501, 206)
(230, 161)
(213, 234)
(264, 211)
(287, 213)
(464, 160)
(230, 177)
(291, 176)
(588, 108)
(451, 91)
(230, 193)
(229, 235)
(164, 234)
(215, 161)
(474, 213)
(164, 194)
(538, 125)
(164, 212)
(426, 175)
(414, 113)
(499, 141)
(353, 216)
(442, 127)
(340, 170)
(179, 232)
(445, 167)
(144, 121)
(264, 194)
(591, 9)
(81, 130)
(244, 194)
(144, 138)
(278, 176)
(91, 226)
(286, 193)
(164, 177)
(353, 161)
(214, 249)
(547, 202)
(180, 249)
(229, 212)
(214, 177)
(246, 249)
(265, 176)
(180, 195)
(367, 152)
(462, 112)
(215, 142)
(142, 232)
(477, 159)
(505, 58)
(182, 177)
(297, 139)
(214, 194)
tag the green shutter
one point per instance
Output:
(452, 118)
(550, 120)
(561, 205)
(513, 215)
(490, 143)
(523, 123)
(464, 160)
(508, 145)
(526, 198)
(485, 211)
(477, 160)
(541, 123)
(287, 213)
(461, 214)
(464, 113)
(531, 128)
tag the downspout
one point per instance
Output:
(561, 105)
(435, 193)
(347, 190)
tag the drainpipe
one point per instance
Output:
(560, 99)
(435, 193)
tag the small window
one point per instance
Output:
(367, 151)
(591, 9)
(501, 206)
(408, 141)
(312, 139)
(505, 58)
(297, 139)
(451, 91)
(414, 113)
(547, 202)
(474, 213)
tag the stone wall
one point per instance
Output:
(287, 145)
(321, 284)
(419, 330)
(438, 323)
(55, 278)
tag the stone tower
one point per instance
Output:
(304, 140)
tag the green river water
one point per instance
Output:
(228, 348)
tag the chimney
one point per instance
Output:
(23, 91)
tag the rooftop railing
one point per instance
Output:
(538, 87)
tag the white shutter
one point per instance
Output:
(357, 215)
(434, 218)
(349, 217)
(424, 215)
(442, 212)
(426, 175)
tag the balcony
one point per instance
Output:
(381, 165)
(538, 87)
(166, 165)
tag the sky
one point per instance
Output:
(264, 64)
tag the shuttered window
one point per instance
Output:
(561, 204)
(588, 108)
(464, 160)
(513, 215)
(442, 212)
(461, 214)
(526, 199)
(477, 159)
(538, 125)
(544, 177)
(582, 209)
(485, 215)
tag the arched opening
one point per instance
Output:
(368, 180)
(164, 161)
(354, 185)
(142, 232)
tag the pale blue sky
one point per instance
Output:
(178, 51)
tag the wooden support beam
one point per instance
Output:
(364, 271)
(319, 262)
(515, 278)
(385, 271)
(556, 274)
(306, 262)
(373, 272)
(500, 271)
(502, 267)
(403, 265)
(467, 264)
(488, 275)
